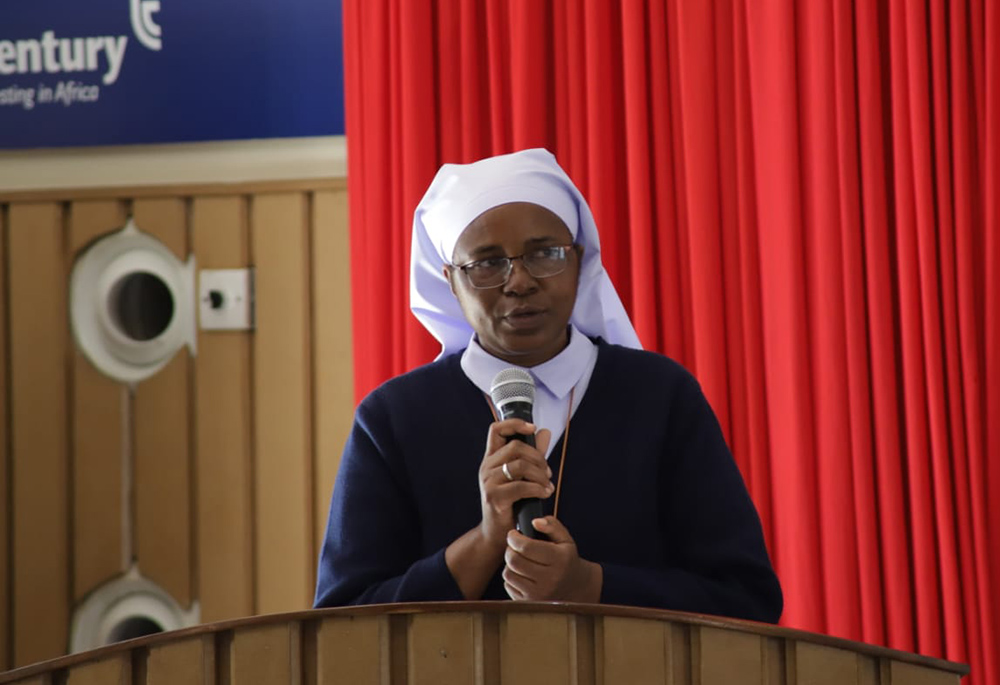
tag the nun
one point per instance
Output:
(641, 502)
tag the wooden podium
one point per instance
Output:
(488, 643)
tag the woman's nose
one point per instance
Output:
(520, 281)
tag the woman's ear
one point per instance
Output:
(448, 272)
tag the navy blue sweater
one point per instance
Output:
(650, 491)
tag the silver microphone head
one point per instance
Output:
(512, 385)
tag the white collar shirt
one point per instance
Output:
(570, 370)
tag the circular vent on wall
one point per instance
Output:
(127, 607)
(131, 304)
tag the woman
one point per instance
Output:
(644, 504)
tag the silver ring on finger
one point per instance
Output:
(506, 472)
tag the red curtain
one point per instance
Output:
(798, 201)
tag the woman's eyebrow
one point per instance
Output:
(542, 239)
(488, 250)
(484, 250)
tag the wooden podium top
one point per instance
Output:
(488, 642)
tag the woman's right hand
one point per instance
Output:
(530, 476)
(473, 558)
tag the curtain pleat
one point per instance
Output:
(395, 268)
(367, 50)
(497, 45)
(416, 150)
(698, 103)
(789, 391)
(605, 158)
(964, 323)
(907, 72)
(451, 73)
(799, 202)
(827, 316)
(530, 87)
(877, 215)
(759, 472)
(868, 593)
(991, 199)
(949, 465)
(639, 172)
(471, 91)
(731, 323)
(571, 109)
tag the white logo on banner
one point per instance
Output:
(51, 54)
(146, 30)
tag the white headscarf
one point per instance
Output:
(461, 192)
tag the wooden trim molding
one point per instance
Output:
(304, 621)
(181, 190)
(194, 163)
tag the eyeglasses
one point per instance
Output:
(495, 271)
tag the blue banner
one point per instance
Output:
(112, 72)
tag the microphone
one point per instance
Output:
(513, 394)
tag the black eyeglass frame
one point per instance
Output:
(571, 247)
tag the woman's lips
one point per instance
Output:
(524, 318)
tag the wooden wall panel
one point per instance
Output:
(162, 450)
(725, 656)
(187, 662)
(282, 404)
(266, 655)
(352, 650)
(97, 423)
(5, 561)
(441, 649)
(900, 673)
(116, 670)
(39, 434)
(820, 665)
(223, 466)
(534, 649)
(333, 373)
(623, 639)
(215, 474)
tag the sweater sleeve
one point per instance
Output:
(718, 559)
(371, 551)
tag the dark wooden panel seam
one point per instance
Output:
(68, 352)
(140, 662)
(246, 219)
(586, 650)
(7, 648)
(310, 333)
(192, 404)
(399, 659)
(223, 657)
(308, 658)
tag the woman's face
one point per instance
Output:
(523, 321)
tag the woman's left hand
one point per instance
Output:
(545, 570)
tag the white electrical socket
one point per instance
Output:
(225, 299)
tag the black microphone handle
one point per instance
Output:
(525, 511)
(529, 508)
